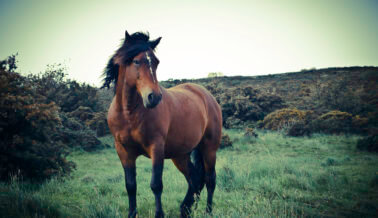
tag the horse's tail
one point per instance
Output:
(199, 168)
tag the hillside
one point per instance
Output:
(300, 89)
(351, 89)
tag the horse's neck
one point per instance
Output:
(127, 99)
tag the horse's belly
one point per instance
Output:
(182, 140)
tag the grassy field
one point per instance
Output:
(268, 176)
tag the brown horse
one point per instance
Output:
(147, 119)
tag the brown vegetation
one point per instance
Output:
(247, 101)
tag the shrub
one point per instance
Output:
(82, 113)
(337, 95)
(294, 122)
(83, 139)
(99, 124)
(67, 94)
(285, 118)
(243, 105)
(333, 122)
(298, 129)
(250, 132)
(225, 141)
(74, 134)
(96, 121)
(27, 127)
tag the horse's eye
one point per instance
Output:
(136, 62)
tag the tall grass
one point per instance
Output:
(269, 176)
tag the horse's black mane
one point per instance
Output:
(131, 47)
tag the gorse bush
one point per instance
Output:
(96, 121)
(294, 122)
(243, 105)
(42, 119)
(27, 128)
(225, 141)
(335, 122)
(75, 134)
(285, 118)
(67, 94)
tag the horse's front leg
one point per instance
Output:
(157, 156)
(128, 164)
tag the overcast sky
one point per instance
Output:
(232, 37)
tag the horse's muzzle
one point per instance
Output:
(153, 100)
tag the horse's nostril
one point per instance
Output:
(150, 97)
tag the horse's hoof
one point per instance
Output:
(159, 214)
(185, 213)
(133, 214)
(209, 210)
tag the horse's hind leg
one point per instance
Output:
(192, 177)
(209, 157)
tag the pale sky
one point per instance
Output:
(232, 37)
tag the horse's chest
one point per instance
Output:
(129, 134)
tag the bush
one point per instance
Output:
(285, 118)
(333, 122)
(250, 132)
(243, 105)
(27, 127)
(338, 95)
(225, 141)
(294, 122)
(67, 94)
(99, 124)
(298, 129)
(96, 121)
(74, 134)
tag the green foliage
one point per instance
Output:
(75, 134)
(225, 141)
(67, 94)
(27, 128)
(9, 64)
(250, 132)
(96, 121)
(241, 105)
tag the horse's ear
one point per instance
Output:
(154, 43)
(127, 36)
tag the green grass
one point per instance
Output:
(271, 176)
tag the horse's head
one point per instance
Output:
(144, 66)
(134, 64)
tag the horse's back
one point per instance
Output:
(208, 101)
(196, 99)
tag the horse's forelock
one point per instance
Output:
(132, 45)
